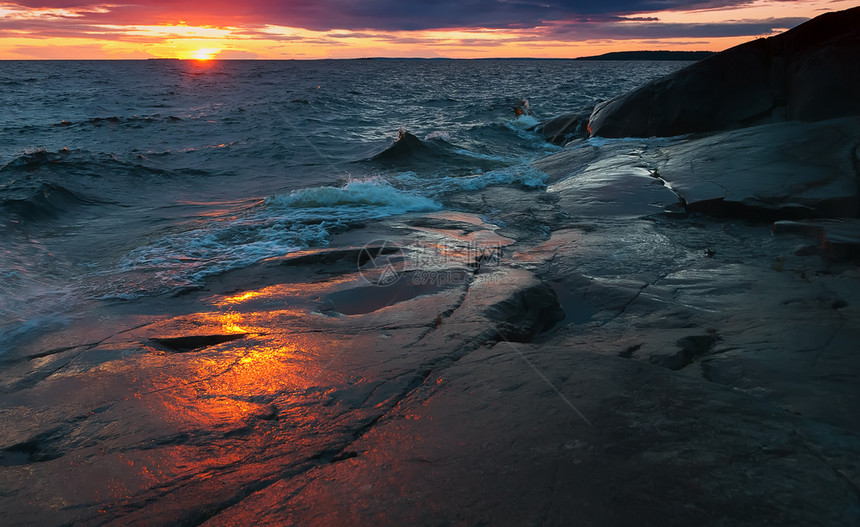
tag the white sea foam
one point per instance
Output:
(439, 134)
(172, 198)
(372, 192)
(522, 174)
(525, 121)
(281, 224)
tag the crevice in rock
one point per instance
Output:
(692, 347)
(195, 342)
(628, 304)
(448, 313)
(827, 343)
(410, 285)
(57, 351)
(627, 353)
(526, 313)
(759, 212)
(37, 449)
(37, 376)
(197, 381)
(359, 255)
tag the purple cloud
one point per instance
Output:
(379, 15)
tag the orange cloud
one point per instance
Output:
(255, 29)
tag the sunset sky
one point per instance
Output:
(229, 29)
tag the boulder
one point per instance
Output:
(564, 128)
(809, 73)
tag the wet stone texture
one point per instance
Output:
(561, 366)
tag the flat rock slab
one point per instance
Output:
(788, 170)
(600, 365)
(614, 179)
(782, 170)
(838, 239)
(518, 435)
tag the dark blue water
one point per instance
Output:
(128, 178)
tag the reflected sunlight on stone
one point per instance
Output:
(223, 384)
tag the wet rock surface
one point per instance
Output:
(561, 363)
(771, 172)
(836, 239)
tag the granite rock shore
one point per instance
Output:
(665, 335)
(806, 74)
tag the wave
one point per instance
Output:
(69, 164)
(435, 153)
(134, 120)
(42, 185)
(374, 192)
(44, 201)
(523, 175)
(525, 121)
(18, 82)
(408, 148)
(276, 226)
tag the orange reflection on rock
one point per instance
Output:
(239, 298)
(225, 384)
(227, 390)
(232, 323)
(292, 296)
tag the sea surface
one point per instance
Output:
(120, 179)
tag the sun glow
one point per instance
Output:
(205, 53)
(109, 32)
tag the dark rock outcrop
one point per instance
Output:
(651, 55)
(779, 171)
(809, 73)
(789, 170)
(838, 240)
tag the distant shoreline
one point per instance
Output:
(651, 55)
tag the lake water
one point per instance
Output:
(127, 178)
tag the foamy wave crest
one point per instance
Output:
(279, 225)
(374, 192)
(524, 121)
(524, 175)
(438, 134)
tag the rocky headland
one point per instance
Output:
(807, 74)
(665, 335)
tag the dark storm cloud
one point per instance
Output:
(593, 31)
(385, 15)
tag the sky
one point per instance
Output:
(314, 29)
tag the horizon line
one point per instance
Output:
(262, 59)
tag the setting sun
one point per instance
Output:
(265, 30)
(205, 53)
